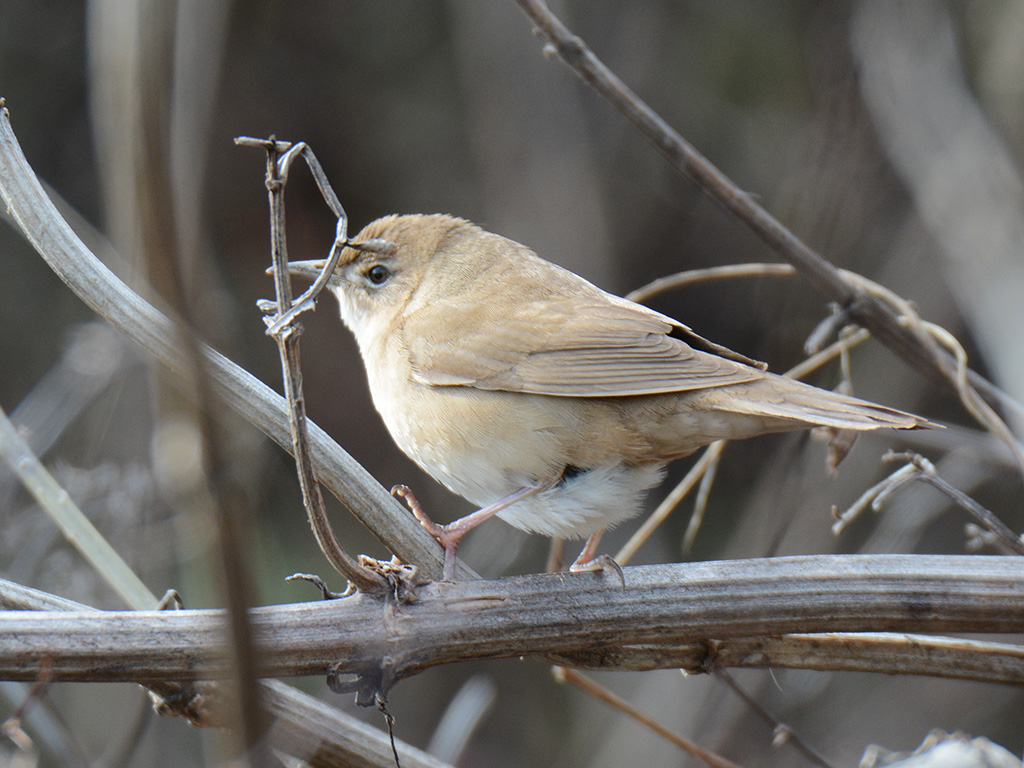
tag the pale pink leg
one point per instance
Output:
(448, 536)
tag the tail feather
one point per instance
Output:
(811, 406)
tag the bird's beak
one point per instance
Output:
(306, 269)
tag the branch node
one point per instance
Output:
(403, 580)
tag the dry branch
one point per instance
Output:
(696, 616)
(308, 729)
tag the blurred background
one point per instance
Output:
(887, 135)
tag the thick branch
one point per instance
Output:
(583, 619)
(309, 729)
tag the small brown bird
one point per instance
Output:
(536, 395)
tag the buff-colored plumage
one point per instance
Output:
(496, 370)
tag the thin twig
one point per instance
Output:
(285, 331)
(919, 468)
(603, 694)
(700, 504)
(1005, 538)
(722, 272)
(832, 351)
(781, 733)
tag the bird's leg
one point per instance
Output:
(448, 536)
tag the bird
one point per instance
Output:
(538, 396)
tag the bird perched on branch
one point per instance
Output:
(538, 396)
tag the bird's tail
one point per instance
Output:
(799, 404)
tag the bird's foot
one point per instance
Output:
(588, 562)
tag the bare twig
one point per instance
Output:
(721, 272)
(831, 325)
(781, 733)
(919, 468)
(603, 694)
(700, 504)
(283, 327)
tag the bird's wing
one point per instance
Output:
(580, 343)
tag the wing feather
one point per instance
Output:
(565, 340)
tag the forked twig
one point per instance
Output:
(285, 331)
(919, 468)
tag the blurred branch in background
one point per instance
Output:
(961, 176)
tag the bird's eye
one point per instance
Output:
(378, 274)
